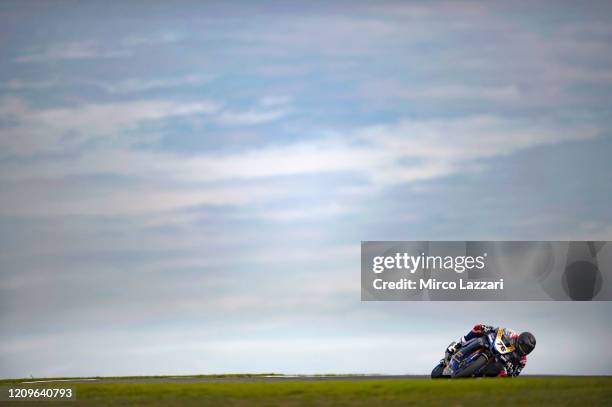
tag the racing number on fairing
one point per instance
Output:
(499, 343)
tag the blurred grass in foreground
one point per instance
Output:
(553, 391)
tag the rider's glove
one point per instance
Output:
(480, 329)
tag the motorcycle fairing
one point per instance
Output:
(498, 343)
(465, 355)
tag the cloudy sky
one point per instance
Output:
(184, 188)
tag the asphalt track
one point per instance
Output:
(300, 378)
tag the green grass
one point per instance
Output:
(4, 382)
(552, 391)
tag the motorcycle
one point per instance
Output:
(474, 357)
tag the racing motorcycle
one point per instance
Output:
(474, 357)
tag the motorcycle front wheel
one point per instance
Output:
(471, 369)
(436, 373)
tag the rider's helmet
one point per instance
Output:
(525, 343)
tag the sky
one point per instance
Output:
(184, 186)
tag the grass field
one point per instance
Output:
(553, 391)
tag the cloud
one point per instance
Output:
(32, 131)
(251, 117)
(269, 109)
(40, 199)
(386, 89)
(91, 49)
(408, 151)
(73, 50)
(310, 212)
(18, 84)
(55, 129)
(275, 100)
(391, 153)
(140, 85)
(168, 37)
(133, 85)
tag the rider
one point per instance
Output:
(511, 363)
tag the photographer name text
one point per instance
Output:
(433, 284)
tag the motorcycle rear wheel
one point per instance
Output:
(471, 369)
